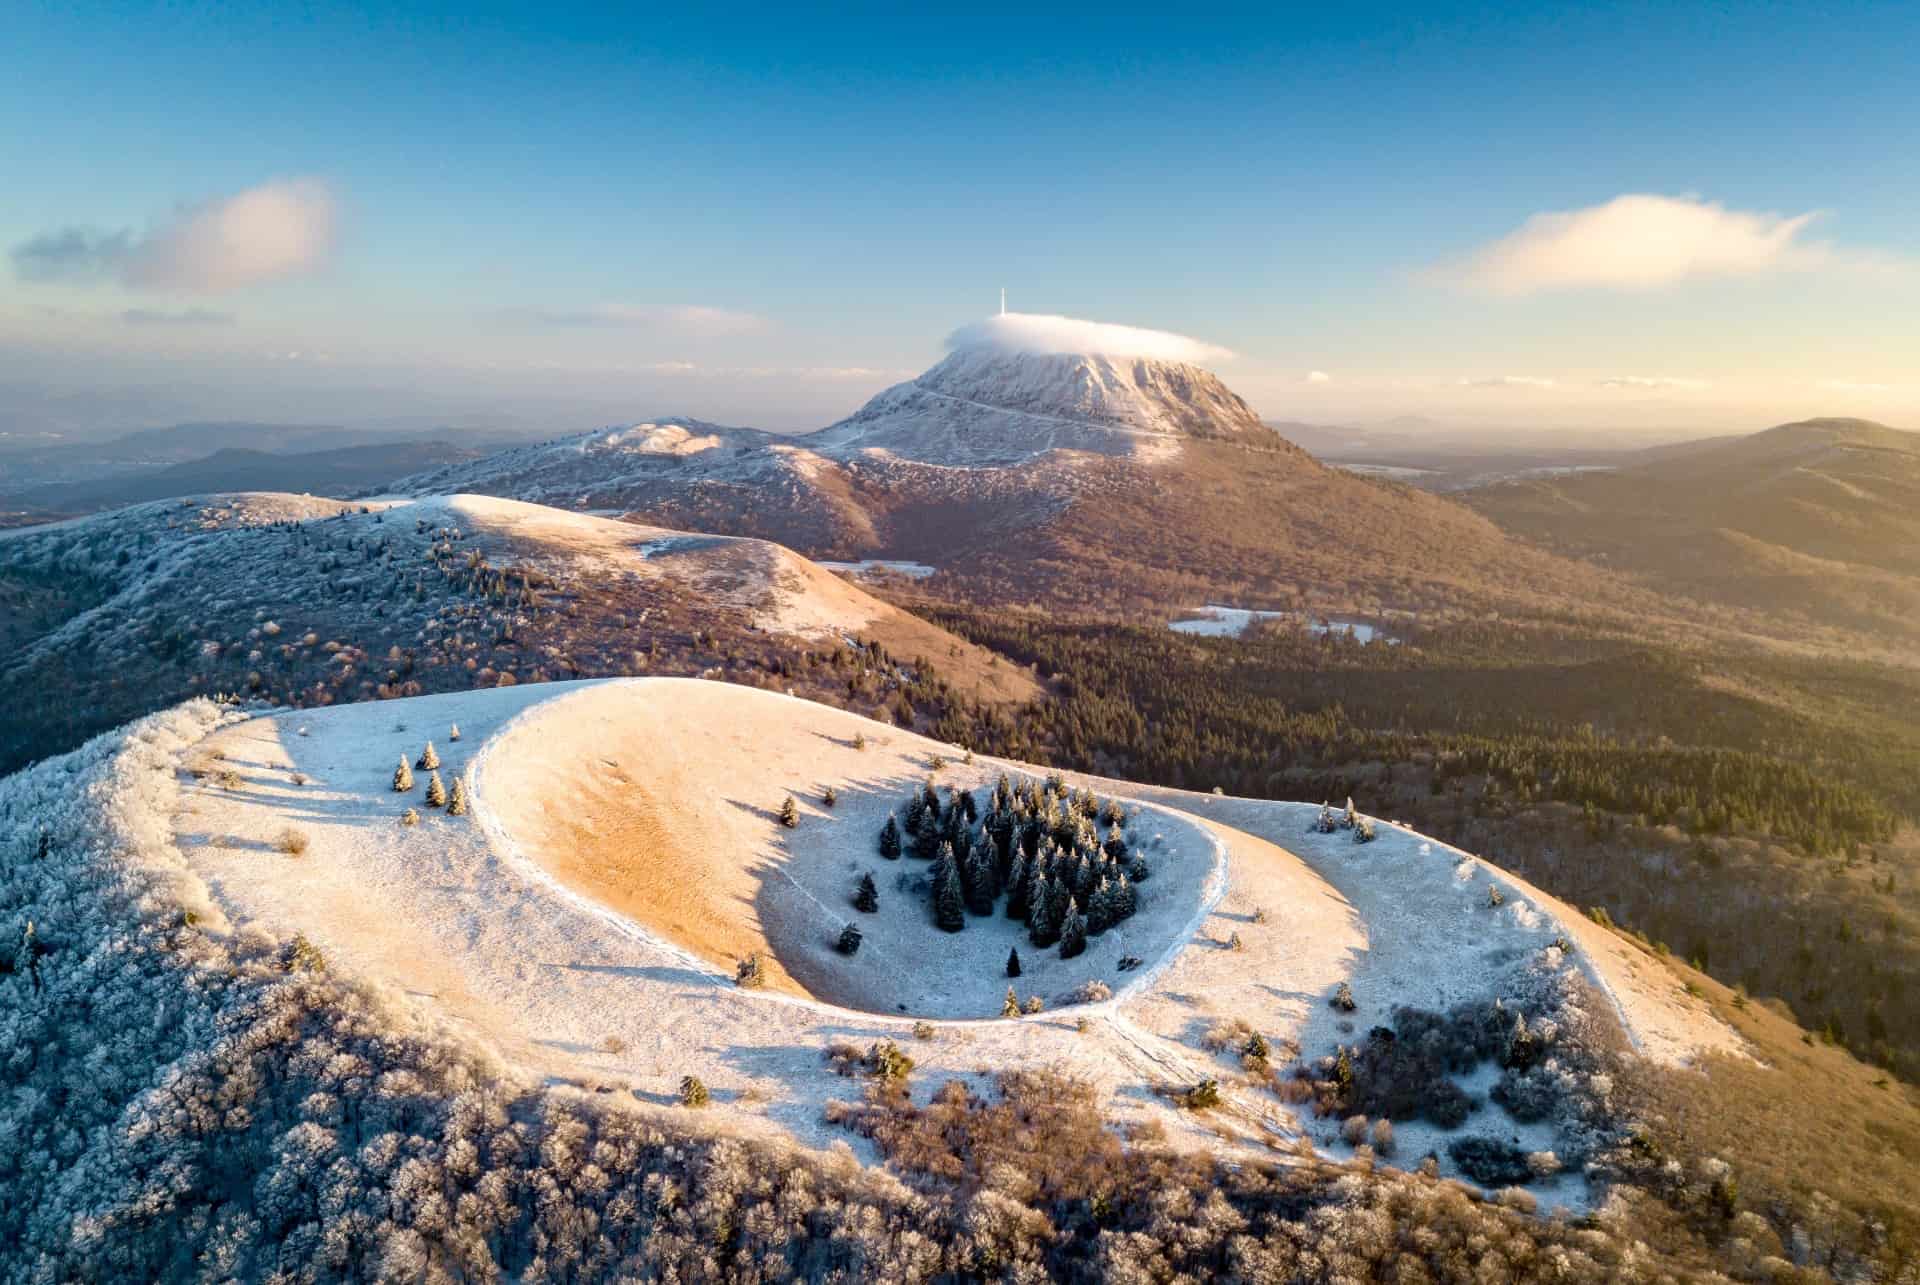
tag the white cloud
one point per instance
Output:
(1319, 377)
(1642, 242)
(685, 319)
(1853, 386)
(1655, 382)
(265, 233)
(1036, 333)
(1508, 381)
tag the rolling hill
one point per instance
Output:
(308, 601)
(1818, 519)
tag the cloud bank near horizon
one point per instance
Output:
(265, 233)
(1043, 334)
(1639, 242)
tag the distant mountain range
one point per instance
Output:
(188, 459)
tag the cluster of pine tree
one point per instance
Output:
(1060, 857)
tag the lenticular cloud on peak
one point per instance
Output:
(1029, 332)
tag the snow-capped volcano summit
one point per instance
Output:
(1018, 384)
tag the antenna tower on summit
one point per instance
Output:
(1003, 301)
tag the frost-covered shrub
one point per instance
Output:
(693, 1091)
(1091, 991)
(751, 972)
(1201, 1096)
(292, 842)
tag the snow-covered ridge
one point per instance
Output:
(1404, 920)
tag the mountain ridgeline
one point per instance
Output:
(1073, 479)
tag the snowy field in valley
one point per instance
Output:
(623, 849)
(873, 566)
(1215, 621)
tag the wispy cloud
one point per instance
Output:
(1507, 381)
(1644, 242)
(265, 233)
(184, 317)
(71, 254)
(684, 319)
(1319, 377)
(1853, 386)
(1654, 382)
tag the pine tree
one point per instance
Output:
(1013, 966)
(890, 839)
(1125, 900)
(402, 777)
(949, 903)
(789, 813)
(1100, 907)
(867, 900)
(976, 875)
(428, 760)
(932, 837)
(457, 798)
(849, 943)
(1040, 917)
(829, 797)
(436, 791)
(916, 816)
(968, 807)
(1082, 877)
(454, 733)
(1073, 932)
(1011, 1008)
(26, 960)
(1017, 887)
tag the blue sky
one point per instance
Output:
(533, 215)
